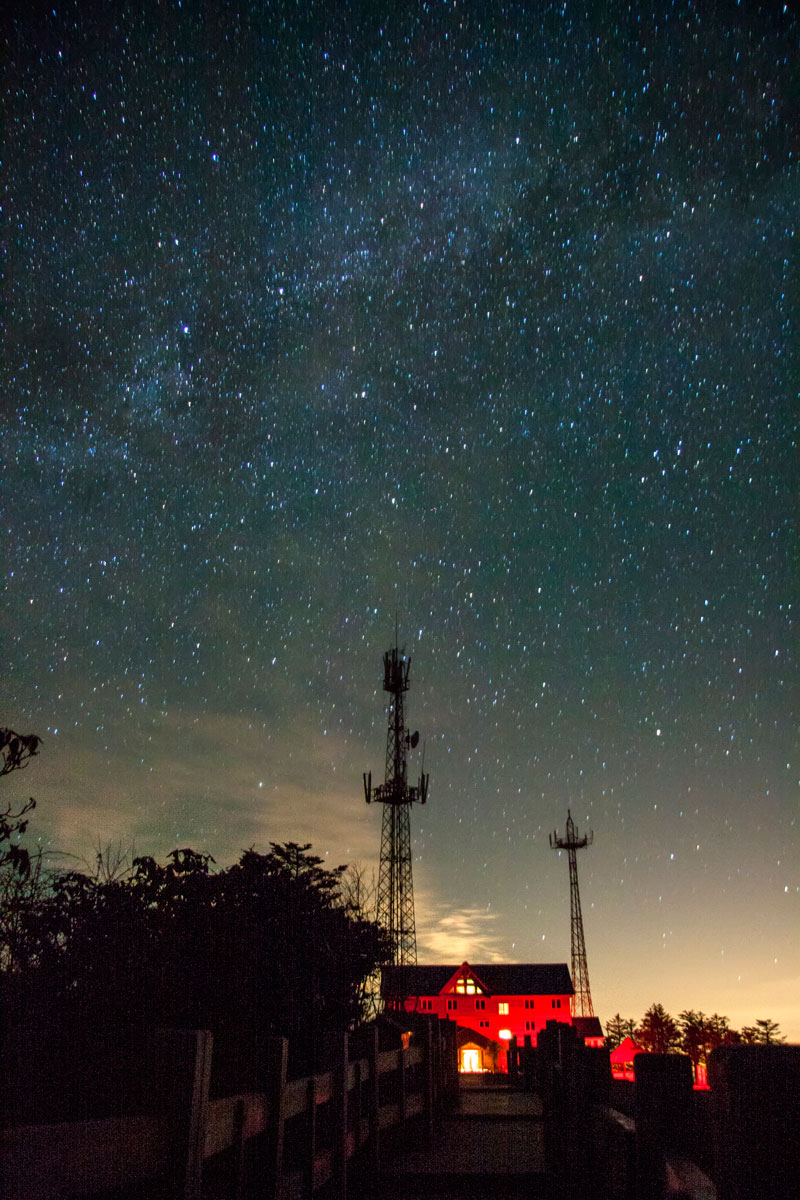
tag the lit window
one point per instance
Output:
(505, 1034)
(466, 986)
(502, 1008)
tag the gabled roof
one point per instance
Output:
(465, 972)
(500, 979)
(625, 1051)
(588, 1026)
(465, 1035)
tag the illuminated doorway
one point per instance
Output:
(470, 1060)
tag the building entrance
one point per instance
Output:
(470, 1060)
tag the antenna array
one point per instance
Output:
(582, 1000)
(395, 910)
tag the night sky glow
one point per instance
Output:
(474, 314)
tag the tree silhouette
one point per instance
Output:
(16, 750)
(617, 1029)
(272, 945)
(270, 934)
(765, 1032)
(658, 1032)
(769, 1031)
(720, 1032)
(694, 1036)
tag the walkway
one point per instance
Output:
(491, 1145)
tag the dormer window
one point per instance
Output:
(467, 987)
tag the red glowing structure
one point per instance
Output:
(491, 1003)
(622, 1057)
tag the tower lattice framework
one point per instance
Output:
(395, 909)
(582, 1000)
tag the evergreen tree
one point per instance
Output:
(617, 1029)
(720, 1032)
(694, 1036)
(768, 1033)
(658, 1032)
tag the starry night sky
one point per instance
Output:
(474, 315)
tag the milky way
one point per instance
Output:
(319, 318)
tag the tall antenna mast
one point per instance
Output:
(395, 883)
(582, 1000)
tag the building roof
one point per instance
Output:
(625, 1051)
(501, 979)
(588, 1026)
(466, 1035)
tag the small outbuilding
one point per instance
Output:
(590, 1030)
(477, 1053)
(622, 1058)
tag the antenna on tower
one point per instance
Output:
(582, 1000)
(395, 910)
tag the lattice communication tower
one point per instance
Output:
(582, 1000)
(395, 910)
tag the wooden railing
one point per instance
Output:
(293, 1155)
(738, 1141)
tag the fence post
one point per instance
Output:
(444, 1062)
(358, 1101)
(429, 1095)
(277, 1059)
(436, 1040)
(182, 1068)
(561, 1085)
(755, 1095)
(663, 1100)
(527, 1064)
(401, 1064)
(201, 1053)
(451, 1061)
(238, 1151)
(374, 1105)
(311, 1147)
(512, 1059)
(340, 1101)
(443, 1074)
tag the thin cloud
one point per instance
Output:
(214, 781)
(457, 935)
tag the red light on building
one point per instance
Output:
(622, 1057)
(491, 1003)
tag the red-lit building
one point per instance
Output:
(493, 1001)
(590, 1030)
(622, 1057)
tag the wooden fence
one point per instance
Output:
(295, 1138)
(738, 1141)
